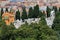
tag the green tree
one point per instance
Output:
(33, 31)
(7, 32)
(56, 21)
(2, 11)
(36, 11)
(6, 10)
(55, 8)
(24, 14)
(41, 14)
(30, 15)
(0, 17)
(2, 25)
(59, 9)
(17, 15)
(48, 11)
(36, 32)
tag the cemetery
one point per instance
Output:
(38, 24)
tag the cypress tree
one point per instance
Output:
(36, 11)
(55, 8)
(2, 11)
(0, 17)
(17, 15)
(24, 14)
(30, 15)
(48, 11)
(59, 9)
(6, 9)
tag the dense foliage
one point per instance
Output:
(35, 12)
(33, 31)
(27, 32)
(56, 24)
(36, 32)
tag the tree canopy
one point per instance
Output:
(36, 11)
(33, 31)
(17, 15)
(30, 14)
(24, 14)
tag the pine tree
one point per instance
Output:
(24, 14)
(30, 15)
(36, 11)
(17, 16)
